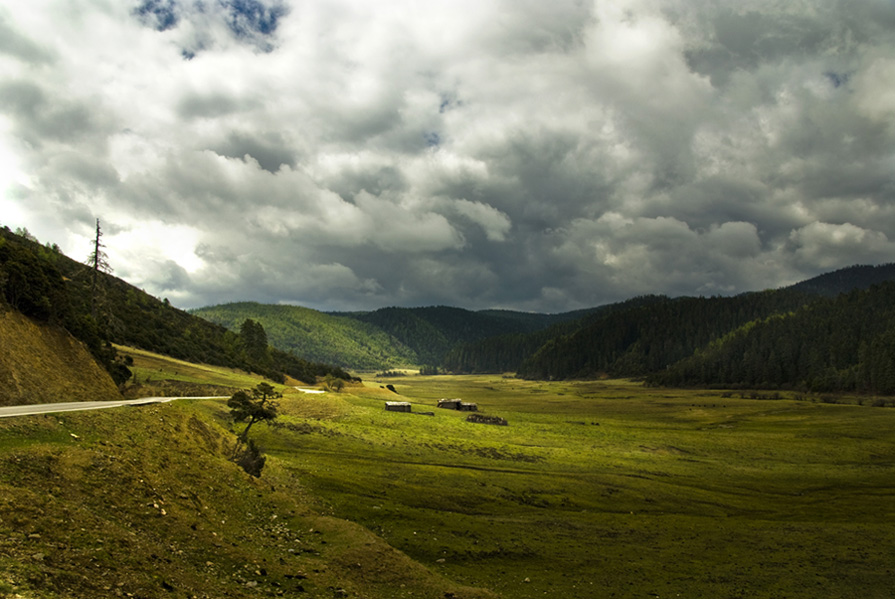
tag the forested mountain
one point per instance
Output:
(805, 336)
(427, 341)
(42, 283)
(506, 353)
(315, 335)
(845, 343)
(649, 337)
(667, 339)
(639, 337)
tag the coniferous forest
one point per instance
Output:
(846, 343)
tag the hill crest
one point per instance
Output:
(843, 280)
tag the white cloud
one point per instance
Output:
(875, 90)
(828, 246)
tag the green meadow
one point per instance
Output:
(606, 488)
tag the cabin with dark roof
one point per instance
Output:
(457, 404)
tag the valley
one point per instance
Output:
(594, 489)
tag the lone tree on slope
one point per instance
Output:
(255, 405)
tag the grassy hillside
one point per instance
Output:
(41, 363)
(44, 284)
(143, 503)
(316, 336)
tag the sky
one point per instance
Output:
(520, 154)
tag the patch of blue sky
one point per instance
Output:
(250, 21)
(248, 18)
(161, 15)
(837, 79)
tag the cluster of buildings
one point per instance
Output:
(448, 404)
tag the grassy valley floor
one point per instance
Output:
(608, 489)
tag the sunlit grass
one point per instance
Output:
(149, 368)
(608, 487)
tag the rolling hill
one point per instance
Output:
(316, 336)
(381, 339)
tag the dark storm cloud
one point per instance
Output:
(208, 105)
(42, 117)
(547, 156)
(269, 149)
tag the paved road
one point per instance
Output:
(75, 406)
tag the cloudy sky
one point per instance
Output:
(526, 154)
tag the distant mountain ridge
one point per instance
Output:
(432, 332)
(861, 276)
(631, 338)
(648, 334)
(382, 339)
(640, 337)
(830, 332)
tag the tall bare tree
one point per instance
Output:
(99, 262)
